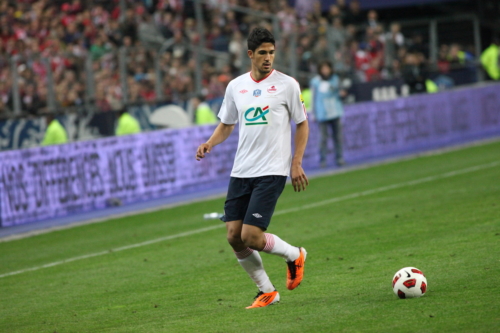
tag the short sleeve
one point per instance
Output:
(228, 113)
(296, 105)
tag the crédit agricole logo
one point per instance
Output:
(257, 115)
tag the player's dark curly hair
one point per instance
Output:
(258, 36)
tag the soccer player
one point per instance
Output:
(262, 101)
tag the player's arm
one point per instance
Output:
(228, 115)
(221, 133)
(299, 178)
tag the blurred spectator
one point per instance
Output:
(179, 48)
(393, 41)
(127, 125)
(342, 6)
(148, 33)
(304, 53)
(354, 15)
(372, 18)
(443, 63)
(203, 113)
(237, 49)
(303, 7)
(320, 52)
(316, 13)
(217, 40)
(337, 35)
(30, 102)
(375, 47)
(215, 87)
(456, 57)
(129, 25)
(490, 59)
(328, 109)
(55, 133)
(334, 13)
(99, 48)
(287, 17)
(417, 45)
(415, 73)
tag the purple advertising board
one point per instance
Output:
(46, 182)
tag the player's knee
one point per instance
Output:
(253, 241)
(234, 240)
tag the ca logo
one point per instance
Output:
(258, 117)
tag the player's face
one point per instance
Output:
(263, 58)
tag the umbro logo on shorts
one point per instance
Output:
(257, 215)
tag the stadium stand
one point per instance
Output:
(105, 55)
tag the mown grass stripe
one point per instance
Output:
(281, 212)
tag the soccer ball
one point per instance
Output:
(409, 282)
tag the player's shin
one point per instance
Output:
(277, 246)
(251, 262)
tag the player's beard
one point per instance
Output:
(263, 70)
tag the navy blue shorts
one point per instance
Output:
(253, 200)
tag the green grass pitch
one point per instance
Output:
(440, 213)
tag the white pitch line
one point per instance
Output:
(389, 187)
(123, 248)
(280, 212)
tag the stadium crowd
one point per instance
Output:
(69, 32)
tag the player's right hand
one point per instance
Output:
(202, 149)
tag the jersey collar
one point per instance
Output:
(262, 78)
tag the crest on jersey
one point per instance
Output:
(272, 90)
(257, 115)
(257, 92)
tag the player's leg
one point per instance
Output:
(337, 140)
(236, 205)
(255, 238)
(249, 259)
(260, 210)
(251, 262)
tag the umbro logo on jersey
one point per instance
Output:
(257, 215)
(272, 90)
(244, 91)
(257, 115)
(257, 92)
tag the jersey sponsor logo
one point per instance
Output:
(244, 91)
(257, 115)
(272, 90)
(257, 93)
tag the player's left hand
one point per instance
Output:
(299, 178)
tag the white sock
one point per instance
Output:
(251, 262)
(275, 245)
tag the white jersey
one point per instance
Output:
(263, 109)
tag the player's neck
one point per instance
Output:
(258, 76)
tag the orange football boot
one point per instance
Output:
(264, 299)
(295, 271)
